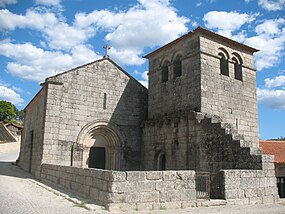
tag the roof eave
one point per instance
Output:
(203, 31)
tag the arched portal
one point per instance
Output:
(101, 146)
(97, 153)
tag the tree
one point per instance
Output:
(20, 115)
(7, 111)
(281, 138)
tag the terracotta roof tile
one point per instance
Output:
(276, 148)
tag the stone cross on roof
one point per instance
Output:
(106, 47)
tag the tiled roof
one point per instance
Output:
(276, 148)
(5, 134)
(19, 126)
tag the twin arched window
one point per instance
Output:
(177, 69)
(224, 64)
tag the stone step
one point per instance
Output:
(255, 151)
(211, 202)
(245, 146)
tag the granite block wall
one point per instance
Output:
(99, 91)
(128, 190)
(178, 93)
(195, 141)
(31, 150)
(251, 186)
(233, 100)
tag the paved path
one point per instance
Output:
(19, 193)
(9, 151)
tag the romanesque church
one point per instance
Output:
(199, 112)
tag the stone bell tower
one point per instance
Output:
(208, 73)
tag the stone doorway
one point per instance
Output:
(101, 146)
(97, 158)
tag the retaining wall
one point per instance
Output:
(128, 190)
(251, 186)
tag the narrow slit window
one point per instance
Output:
(105, 101)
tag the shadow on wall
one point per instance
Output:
(116, 144)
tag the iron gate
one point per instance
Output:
(209, 185)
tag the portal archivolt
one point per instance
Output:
(101, 146)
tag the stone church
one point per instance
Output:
(199, 113)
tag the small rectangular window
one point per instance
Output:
(105, 101)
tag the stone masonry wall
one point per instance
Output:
(233, 100)
(252, 186)
(76, 98)
(33, 125)
(179, 93)
(195, 141)
(129, 190)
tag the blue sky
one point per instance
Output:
(40, 38)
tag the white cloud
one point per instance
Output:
(275, 82)
(270, 40)
(194, 24)
(126, 56)
(62, 36)
(143, 77)
(272, 98)
(19, 90)
(272, 5)
(33, 63)
(270, 27)
(273, 95)
(59, 35)
(199, 4)
(10, 95)
(31, 19)
(4, 2)
(48, 2)
(128, 32)
(269, 36)
(227, 22)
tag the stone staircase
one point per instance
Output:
(245, 153)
